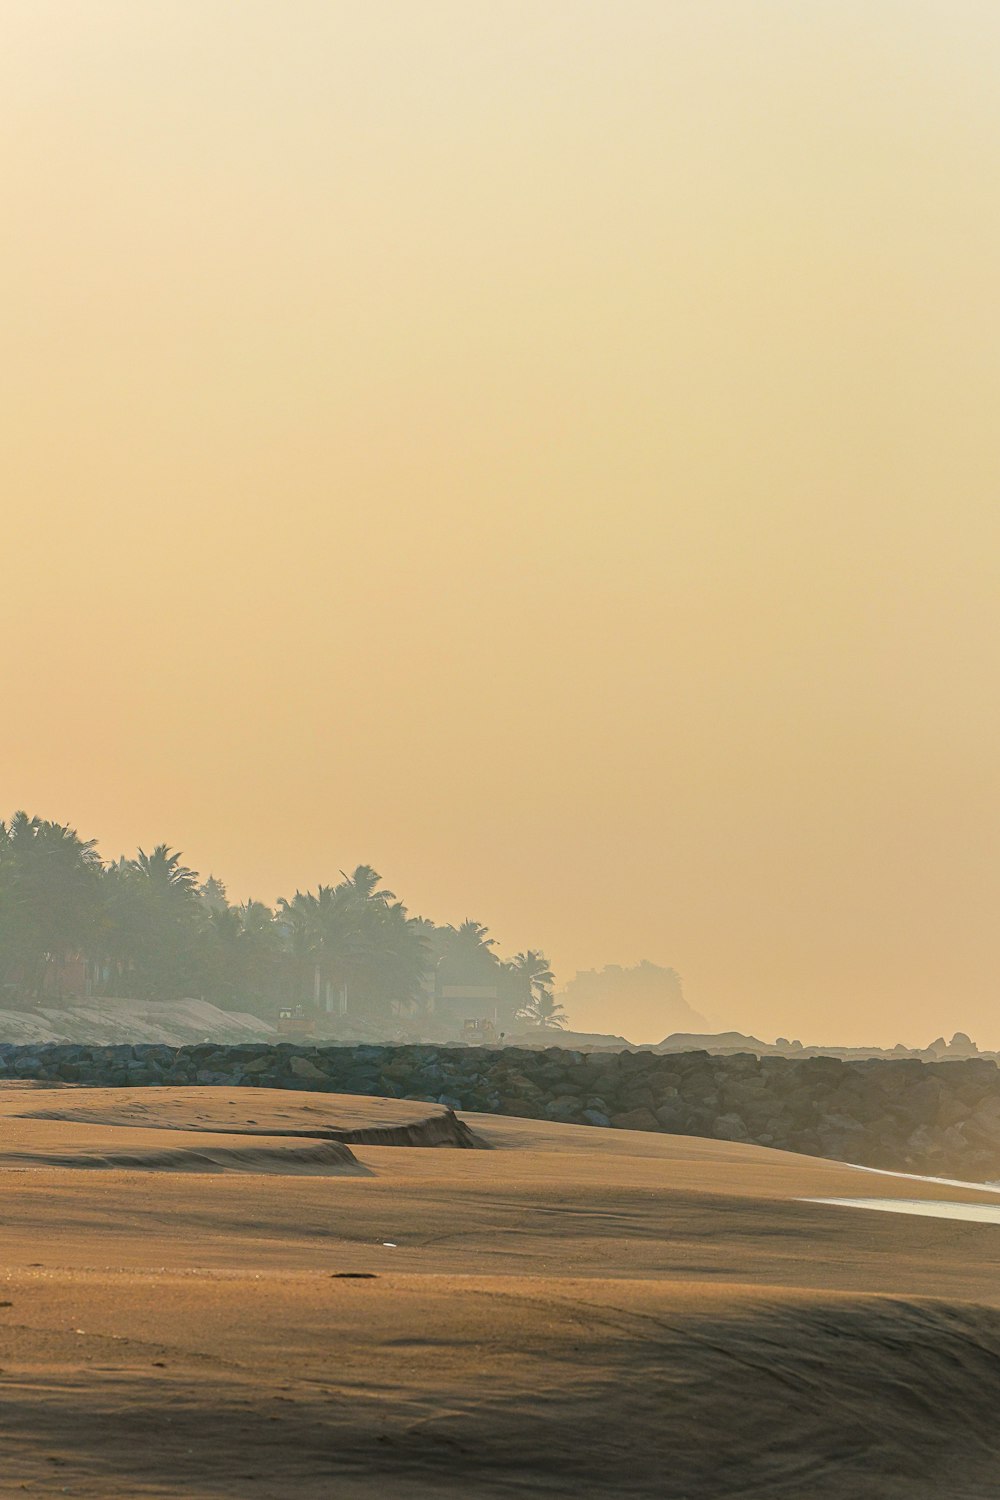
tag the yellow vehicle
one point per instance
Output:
(482, 1032)
(294, 1024)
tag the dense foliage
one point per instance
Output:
(151, 928)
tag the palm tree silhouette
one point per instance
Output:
(163, 868)
(534, 979)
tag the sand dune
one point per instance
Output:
(103, 1021)
(221, 1154)
(217, 1111)
(575, 1312)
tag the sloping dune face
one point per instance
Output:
(574, 1312)
(212, 1130)
(217, 1154)
(345, 1118)
(572, 1391)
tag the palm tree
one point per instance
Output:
(324, 932)
(533, 980)
(163, 868)
(531, 970)
(364, 884)
(473, 936)
(219, 953)
(545, 1011)
(355, 938)
(155, 939)
(257, 921)
(468, 952)
(49, 899)
(263, 957)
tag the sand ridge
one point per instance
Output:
(132, 1114)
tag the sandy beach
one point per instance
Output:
(212, 1292)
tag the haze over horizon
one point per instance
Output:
(546, 452)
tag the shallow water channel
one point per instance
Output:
(981, 1213)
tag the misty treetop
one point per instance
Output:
(151, 928)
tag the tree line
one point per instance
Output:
(151, 928)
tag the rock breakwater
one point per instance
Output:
(942, 1119)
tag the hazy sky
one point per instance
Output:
(547, 450)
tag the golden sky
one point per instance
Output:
(546, 450)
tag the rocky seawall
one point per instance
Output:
(942, 1119)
